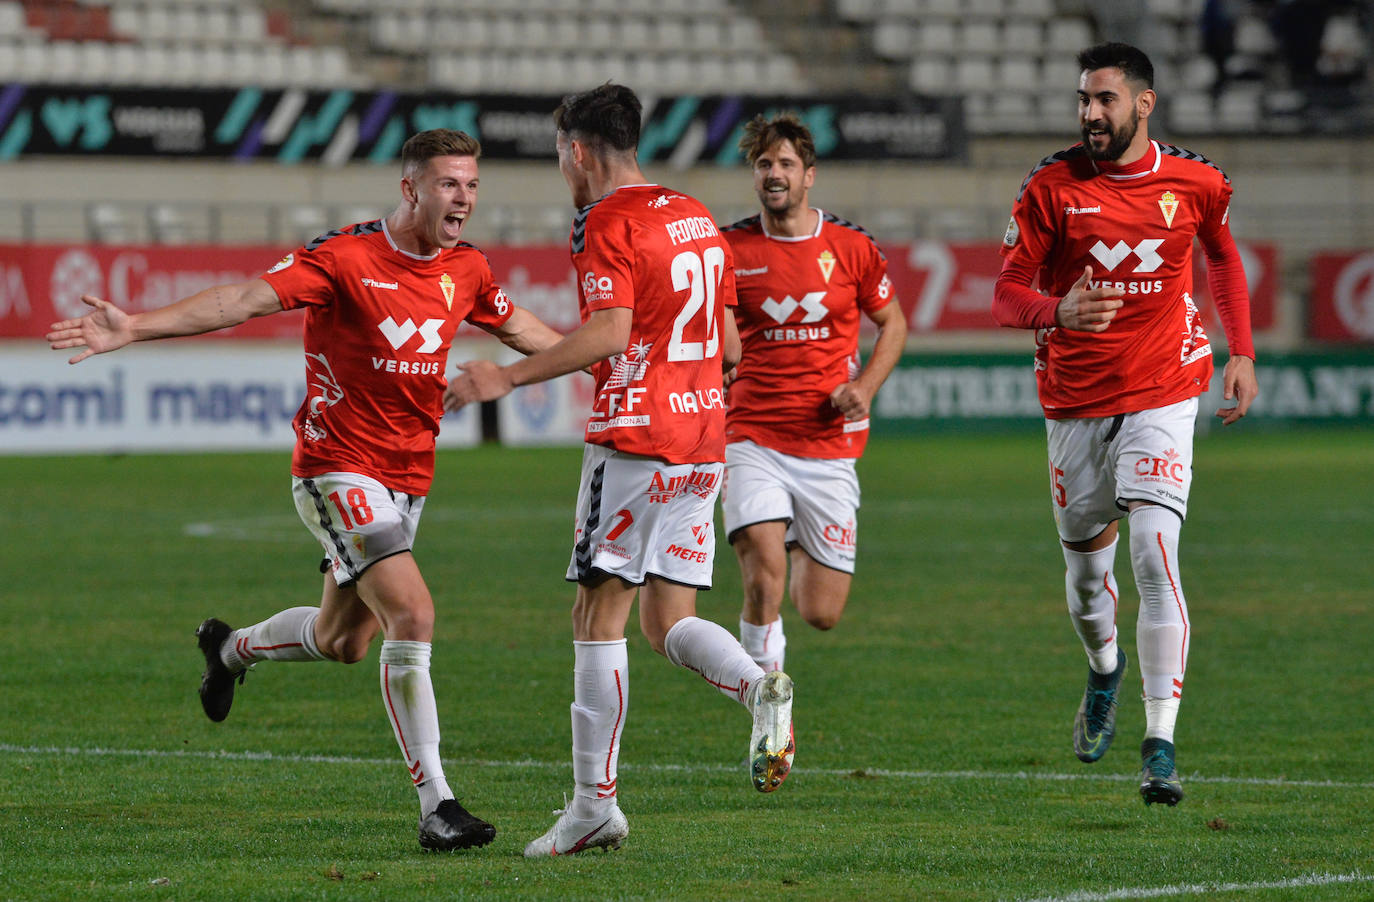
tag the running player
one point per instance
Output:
(1121, 358)
(656, 281)
(799, 401)
(383, 300)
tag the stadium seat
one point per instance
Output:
(894, 39)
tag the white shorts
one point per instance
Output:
(818, 498)
(639, 517)
(1099, 465)
(358, 520)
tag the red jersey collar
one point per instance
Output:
(1146, 165)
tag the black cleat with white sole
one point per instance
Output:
(217, 683)
(451, 826)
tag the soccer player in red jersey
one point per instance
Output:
(1121, 358)
(656, 282)
(383, 300)
(798, 403)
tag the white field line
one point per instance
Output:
(1207, 889)
(100, 752)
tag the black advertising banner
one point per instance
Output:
(341, 126)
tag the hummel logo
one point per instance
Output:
(811, 303)
(1111, 257)
(375, 283)
(757, 271)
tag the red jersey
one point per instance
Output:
(798, 316)
(378, 325)
(1134, 225)
(659, 253)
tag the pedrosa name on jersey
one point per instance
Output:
(1149, 287)
(692, 228)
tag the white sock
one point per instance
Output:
(1090, 587)
(409, 698)
(601, 696)
(1160, 715)
(765, 644)
(285, 636)
(710, 650)
(1162, 632)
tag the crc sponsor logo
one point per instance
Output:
(842, 537)
(597, 288)
(694, 555)
(1162, 469)
(400, 333)
(696, 401)
(701, 482)
(1145, 253)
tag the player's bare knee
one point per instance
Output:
(822, 620)
(346, 648)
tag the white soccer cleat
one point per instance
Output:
(771, 745)
(570, 835)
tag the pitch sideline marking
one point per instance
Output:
(1159, 892)
(11, 749)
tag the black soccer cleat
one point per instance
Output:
(1159, 781)
(450, 826)
(217, 683)
(1094, 725)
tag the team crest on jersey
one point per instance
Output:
(446, 286)
(1168, 205)
(283, 263)
(826, 261)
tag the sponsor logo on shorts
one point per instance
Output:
(1162, 469)
(841, 537)
(702, 482)
(688, 554)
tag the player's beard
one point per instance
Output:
(780, 205)
(1119, 139)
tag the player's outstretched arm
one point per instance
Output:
(1240, 385)
(107, 328)
(606, 332)
(1086, 309)
(526, 333)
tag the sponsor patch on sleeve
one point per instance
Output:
(283, 263)
(1013, 233)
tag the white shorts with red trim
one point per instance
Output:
(358, 520)
(639, 517)
(1099, 465)
(818, 498)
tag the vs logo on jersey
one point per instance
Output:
(1168, 205)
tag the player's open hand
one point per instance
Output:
(1086, 309)
(477, 380)
(1240, 385)
(106, 328)
(851, 400)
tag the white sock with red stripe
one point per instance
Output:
(1162, 628)
(285, 636)
(710, 650)
(1090, 586)
(601, 696)
(765, 644)
(409, 698)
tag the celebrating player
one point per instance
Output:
(383, 300)
(1121, 358)
(656, 279)
(799, 400)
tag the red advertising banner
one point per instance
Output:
(1342, 307)
(942, 286)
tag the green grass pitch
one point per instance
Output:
(933, 725)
